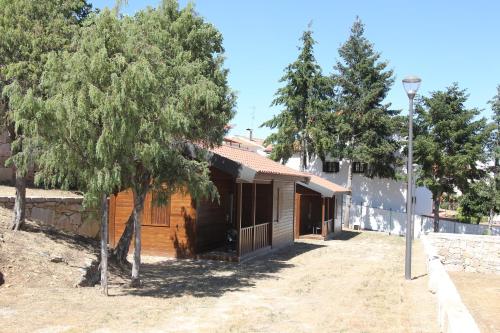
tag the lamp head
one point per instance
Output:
(411, 84)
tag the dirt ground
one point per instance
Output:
(352, 284)
(481, 294)
(42, 256)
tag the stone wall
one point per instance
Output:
(470, 253)
(63, 213)
(6, 174)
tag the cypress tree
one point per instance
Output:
(449, 144)
(304, 98)
(138, 92)
(29, 30)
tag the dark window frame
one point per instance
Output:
(358, 167)
(331, 166)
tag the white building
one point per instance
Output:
(382, 193)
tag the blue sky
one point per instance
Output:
(442, 41)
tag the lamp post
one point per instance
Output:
(411, 84)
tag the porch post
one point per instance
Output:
(323, 225)
(254, 206)
(239, 187)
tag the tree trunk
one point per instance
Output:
(347, 211)
(304, 156)
(104, 245)
(490, 220)
(436, 213)
(139, 196)
(120, 251)
(20, 204)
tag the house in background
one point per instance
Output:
(381, 193)
(256, 203)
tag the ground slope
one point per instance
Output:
(41, 257)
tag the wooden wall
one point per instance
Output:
(213, 217)
(173, 238)
(283, 213)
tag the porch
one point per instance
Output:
(249, 211)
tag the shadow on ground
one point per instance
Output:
(207, 278)
(346, 235)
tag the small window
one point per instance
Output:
(331, 167)
(358, 167)
(160, 214)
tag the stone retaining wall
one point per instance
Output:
(63, 213)
(453, 315)
(470, 253)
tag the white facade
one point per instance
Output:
(375, 192)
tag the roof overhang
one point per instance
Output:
(246, 174)
(323, 190)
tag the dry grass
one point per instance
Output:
(26, 256)
(354, 284)
(481, 294)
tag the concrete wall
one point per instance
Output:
(380, 193)
(470, 253)
(65, 214)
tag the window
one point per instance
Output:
(330, 167)
(358, 167)
(160, 214)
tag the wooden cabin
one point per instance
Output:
(317, 205)
(256, 203)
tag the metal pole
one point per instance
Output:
(409, 194)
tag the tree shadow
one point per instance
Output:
(345, 235)
(71, 240)
(207, 278)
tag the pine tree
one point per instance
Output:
(449, 144)
(29, 30)
(494, 149)
(304, 98)
(361, 128)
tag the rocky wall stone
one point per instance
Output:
(62, 213)
(470, 253)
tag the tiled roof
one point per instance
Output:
(256, 162)
(324, 186)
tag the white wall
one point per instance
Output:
(392, 222)
(374, 192)
(283, 226)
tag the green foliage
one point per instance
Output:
(494, 149)
(305, 97)
(476, 202)
(29, 31)
(126, 101)
(361, 127)
(449, 142)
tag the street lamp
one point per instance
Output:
(411, 84)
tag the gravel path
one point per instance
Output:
(353, 284)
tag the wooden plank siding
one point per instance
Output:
(214, 217)
(175, 239)
(283, 213)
